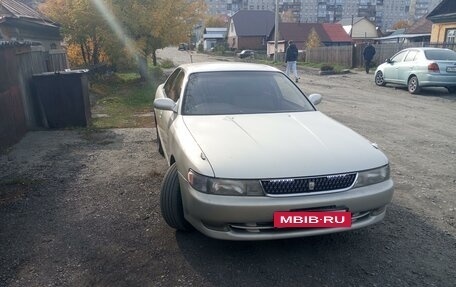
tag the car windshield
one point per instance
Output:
(242, 92)
(440, 55)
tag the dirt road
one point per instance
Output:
(80, 208)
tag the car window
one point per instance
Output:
(173, 85)
(169, 82)
(399, 56)
(242, 92)
(440, 55)
(411, 56)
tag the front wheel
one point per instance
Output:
(379, 80)
(171, 201)
(413, 85)
(451, 90)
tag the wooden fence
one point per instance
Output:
(19, 111)
(341, 55)
(352, 56)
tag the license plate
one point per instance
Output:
(451, 69)
(312, 219)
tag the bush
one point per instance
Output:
(327, 68)
(167, 63)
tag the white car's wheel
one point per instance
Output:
(171, 201)
(413, 85)
(379, 80)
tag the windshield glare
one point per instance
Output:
(242, 92)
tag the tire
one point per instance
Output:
(160, 147)
(379, 80)
(413, 85)
(451, 90)
(171, 201)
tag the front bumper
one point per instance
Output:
(250, 218)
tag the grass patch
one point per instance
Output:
(124, 101)
(337, 68)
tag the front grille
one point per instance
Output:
(308, 185)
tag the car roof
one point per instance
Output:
(427, 49)
(225, 67)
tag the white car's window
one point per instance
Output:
(242, 92)
(399, 56)
(440, 55)
(173, 85)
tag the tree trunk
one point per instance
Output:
(83, 52)
(96, 54)
(154, 57)
(143, 71)
(96, 50)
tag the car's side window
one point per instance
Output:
(411, 56)
(170, 83)
(176, 88)
(399, 57)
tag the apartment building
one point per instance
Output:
(229, 7)
(384, 13)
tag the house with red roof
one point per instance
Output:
(328, 34)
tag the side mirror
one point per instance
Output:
(315, 99)
(388, 61)
(165, 104)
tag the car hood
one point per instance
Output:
(281, 145)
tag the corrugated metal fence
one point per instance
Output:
(18, 109)
(12, 118)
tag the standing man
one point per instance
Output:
(291, 58)
(368, 54)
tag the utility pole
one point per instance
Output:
(351, 30)
(276, 30)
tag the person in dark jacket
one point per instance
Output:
(291, 57)
(368, 54)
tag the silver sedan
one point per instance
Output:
(419, 67)
(243, 143)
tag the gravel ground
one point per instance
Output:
(80, 208)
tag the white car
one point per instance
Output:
(243, 143)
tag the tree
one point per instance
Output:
(99, 27)
(155, 24)
(82, 27)
(216, 21)
(313, 40)
(287, 17)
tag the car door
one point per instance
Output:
(390, 72)
(407, 66)
(172, 90)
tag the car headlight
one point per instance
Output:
(373, 176)
(221, 186)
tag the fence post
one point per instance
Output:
(353, 61)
